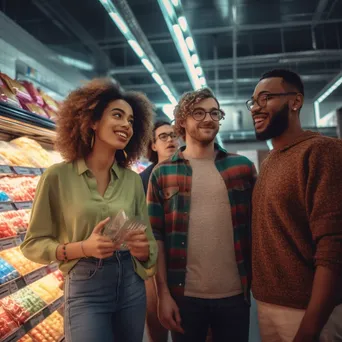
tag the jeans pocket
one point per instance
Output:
(83, 270)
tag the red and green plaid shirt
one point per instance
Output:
(169, 200)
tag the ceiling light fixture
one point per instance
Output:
(181, 35)
(133, 42)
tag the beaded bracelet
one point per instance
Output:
(65, 256)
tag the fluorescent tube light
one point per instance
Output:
(148, 64)
(157, 78)
(190, 43)
(119, 22)
(183, 23)
(136, 47)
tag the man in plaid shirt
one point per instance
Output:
(199, 203)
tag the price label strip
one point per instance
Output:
(17, 335)
(34, 171)
(34, 321)
(23, 205)
(52, 268)
(6, 206)
(9, 242)
(56, 304)
(6, 169)
(35, 275)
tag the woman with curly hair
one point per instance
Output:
(100, 132)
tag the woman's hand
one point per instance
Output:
(99, 246)
(138, 244)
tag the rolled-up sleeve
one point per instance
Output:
(40, 242)
(155, 207)
(324, 203)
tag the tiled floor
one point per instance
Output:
(254, 335)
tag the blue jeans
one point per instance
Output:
(228, 319)
(105, 301)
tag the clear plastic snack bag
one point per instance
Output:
(119, 225)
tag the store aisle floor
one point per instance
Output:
(254, 335)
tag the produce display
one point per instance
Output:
(26, 338)
(15, 258)
(7, 324)
(7, 272)
(19, 189)
(22, 304)
(51, 329)
(47, 288)
(14, 222)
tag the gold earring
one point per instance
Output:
(125, 154)
(92, 141)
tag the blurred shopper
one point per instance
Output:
(297, 219)
(163, 145)
(199, 205)
(100, 131)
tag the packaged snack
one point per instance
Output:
(119, 225)
(33, 108)
(19, 189)
(26, 338)
(49, 102)
(15, 258)
(17, 89)
(4, 197)
(7, 324)
(17, 312)
(51, 329)
(47, 288)
(7, 272)
(36, 97)
(7, 96)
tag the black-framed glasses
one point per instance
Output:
(165, 136)
(262, 99)
(199, 114)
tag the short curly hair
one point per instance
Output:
(186, 105)
(85, 106)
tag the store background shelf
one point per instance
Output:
(24, 116)
(17, 284)
(21, 170)
(34, 321)
(7, 206)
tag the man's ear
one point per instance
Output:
(182, 123)
(298, 102)
(153, 147)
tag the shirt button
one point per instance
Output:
(183, 243)
(180, 284)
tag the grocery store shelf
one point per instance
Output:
(19, 283)
(12, 241)
(8, 206)
(21, 122)
(34, 321)
(20, 170)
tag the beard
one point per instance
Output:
(278, 125)
(205, 139)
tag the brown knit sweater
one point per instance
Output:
(297, 219)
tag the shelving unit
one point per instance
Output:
(16, 122)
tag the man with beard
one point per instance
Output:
(297, 220)
(163, 145)
(199, 207)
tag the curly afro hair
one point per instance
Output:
(186, 105)
(86, 105)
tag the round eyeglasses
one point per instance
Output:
(262, 99)
(199, 114)
(165, 136)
